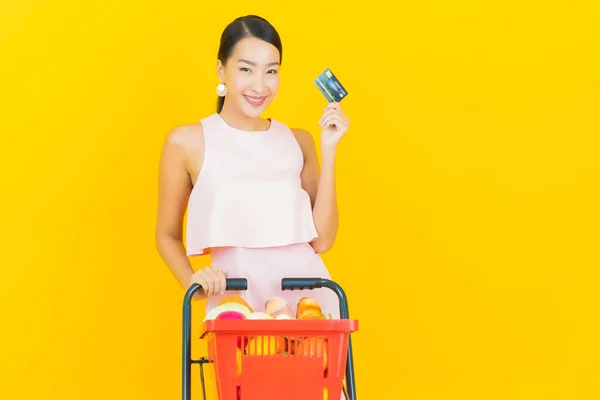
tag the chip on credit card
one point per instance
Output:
(330, 86)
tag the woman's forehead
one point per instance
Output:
(255, 51)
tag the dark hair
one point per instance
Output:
(243, 27)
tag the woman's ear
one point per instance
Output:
(220, 71)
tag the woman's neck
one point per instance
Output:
(240, 121)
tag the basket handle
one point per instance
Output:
(236, 284)
(230, 284)
(317, 283)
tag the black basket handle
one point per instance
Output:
(230, 284)
(286, 284)
(317, 283)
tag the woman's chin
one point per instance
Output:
(254, 111)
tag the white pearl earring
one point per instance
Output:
(221, 89)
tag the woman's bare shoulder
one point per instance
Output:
(304, 138)
(184, 148)
(300, 132)
(185, 136)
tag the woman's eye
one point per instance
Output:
(273, 71)
(244, 69)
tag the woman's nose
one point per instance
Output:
(258, 83)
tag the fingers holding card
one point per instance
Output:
(333, 120)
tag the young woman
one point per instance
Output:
(257, 199)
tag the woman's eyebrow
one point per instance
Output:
(254, 64)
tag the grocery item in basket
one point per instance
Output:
(277, 306)
(231, 315)
(234, 298)
(214, 312)
(265, 345)
(310, 313)
(313, 346)
(309, 308)
(239, 354)
(290, 345)
(260, 315)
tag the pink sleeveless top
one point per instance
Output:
(248, 192)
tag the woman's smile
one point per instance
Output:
(255, 101)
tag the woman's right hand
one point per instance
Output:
(213, 281)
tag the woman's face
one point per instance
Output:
(251, 76)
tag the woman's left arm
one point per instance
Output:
(320, 182)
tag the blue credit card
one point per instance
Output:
(330, 86)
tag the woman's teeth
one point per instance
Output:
(255, 102)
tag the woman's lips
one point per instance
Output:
(255, 101)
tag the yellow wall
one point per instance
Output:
(469, 183)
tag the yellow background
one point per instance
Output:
(468, 189)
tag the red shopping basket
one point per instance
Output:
(276, 359)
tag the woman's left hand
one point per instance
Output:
(335, 125)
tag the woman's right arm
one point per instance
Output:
(174, 188)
